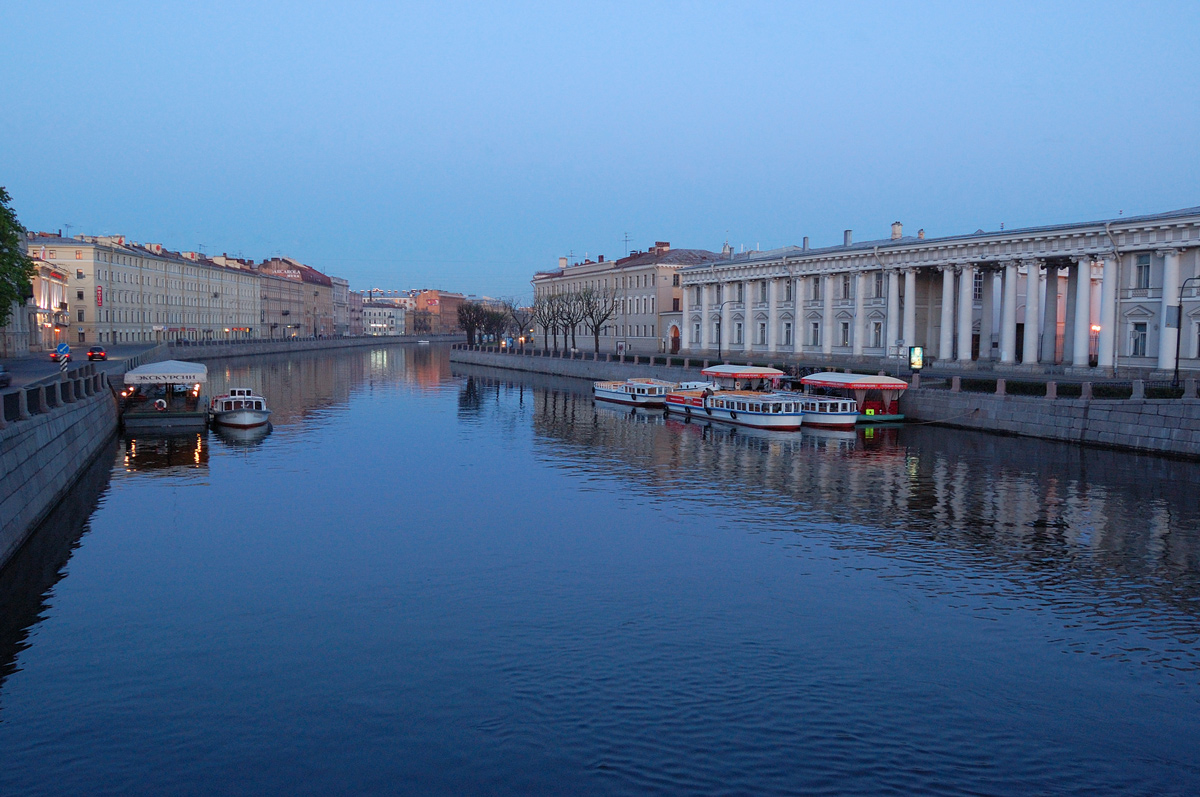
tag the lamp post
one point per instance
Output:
(721, 326)
(1179, 324)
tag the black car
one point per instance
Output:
(5, 377)
(97, 353)
(54, 357)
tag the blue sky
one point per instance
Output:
(463, 145)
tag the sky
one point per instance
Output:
(464, 146)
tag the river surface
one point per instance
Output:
(437, 579)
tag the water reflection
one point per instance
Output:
(165, 455)
(1107, 541)
(244, 438)
(27, 581)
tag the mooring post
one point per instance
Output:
(1085, 391)
(1001, 387)
(1052, 390)
(955, 384)
(1139, 389)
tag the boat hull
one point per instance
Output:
(774, 421)
(831, 420)
(627, 399)
(242, 419)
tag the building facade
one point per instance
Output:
(355, 313)
(317, 294)
(436, 312)
(646, 289)
(341, 305)
(1087, 297)
(381, 318)
(282, 310)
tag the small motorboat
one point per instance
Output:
(240, 409)
(634, 392)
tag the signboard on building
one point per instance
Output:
(916, 357)
(99, 296)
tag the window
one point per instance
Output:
(674, 305)
(878, 284)
(737, 333)
(675, 280)
(79, 295)
(80, 314)
(816, 289)
(717, 331)
(78, 272)
(816, 334)
(846, 286)
(1137, 344)
(1142, 273)
(79, 254)
(698, 300)
(762, 291)
(762, 333)
(695, 334)
(652, 304)
(787, 290)
(720, 290)
(741, 292)
(787, 333)
(845, 333)
(977, 286)
(877, 334)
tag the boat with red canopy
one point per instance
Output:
(742, 395)
(877, 397)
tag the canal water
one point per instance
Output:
(439, 579)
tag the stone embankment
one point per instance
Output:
(1161, 425)
(48, 435)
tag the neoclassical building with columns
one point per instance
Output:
(1089, 297)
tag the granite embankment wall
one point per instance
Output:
(1165, 426)
(248, 348)
(49, 435)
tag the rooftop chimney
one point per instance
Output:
(848, 237)
(921, 234)
(600, 259)
(897, 230)
(806, 243)
(562, 262)
(662, 247)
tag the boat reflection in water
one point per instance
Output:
(166, 453)
(238, 437)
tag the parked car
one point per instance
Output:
(97, 353)
(55, 358)
(5, 377)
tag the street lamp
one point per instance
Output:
(1179, 327)
(721, 326)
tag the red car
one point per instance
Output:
(97, 353)
(55, 358)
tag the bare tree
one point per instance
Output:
(521, 317)
(600, 304)
(573, 314)
(471, 316)
(543, 313)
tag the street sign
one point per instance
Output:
(62, 349)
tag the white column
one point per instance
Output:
(946, 336)
(685, 319)
(747, 321)
(1008, 315)
(1168, 336)
(726, 326)
(1106, 356)
(987, 314)
(1050, 317)
(798, 315)
(966, 313)
(1033, 311)
(856, 344)
(827, 314)
(892, 331)
(772, 318)
(1083, 313)
(909, 332)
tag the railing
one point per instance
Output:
(50, 393)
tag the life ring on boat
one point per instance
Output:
(732, 414)
(160, 405)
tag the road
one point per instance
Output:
(30, 369)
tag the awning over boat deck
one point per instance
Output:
(890, 386)
(742, 372)
(167, 372)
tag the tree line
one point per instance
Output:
(558, 314)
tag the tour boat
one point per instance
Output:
(164, 397)
(877, 398)
(739, 395)
(828, 412)
(240, 408)
(634, 392)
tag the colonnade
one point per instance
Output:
(1035, 283)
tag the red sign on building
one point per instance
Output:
(99, 296)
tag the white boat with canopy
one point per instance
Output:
(741, 395)
(877, 398)
(634, 392)
(165, 396)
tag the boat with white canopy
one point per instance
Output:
(633, 392)
(165, 396)
(741, 395)
(240, 408)
(877, 397)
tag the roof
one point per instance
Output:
(854, 381)
(673, 257)
(742, 372)
(167, 372)
(907, 240)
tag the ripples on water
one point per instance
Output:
(425, 580)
